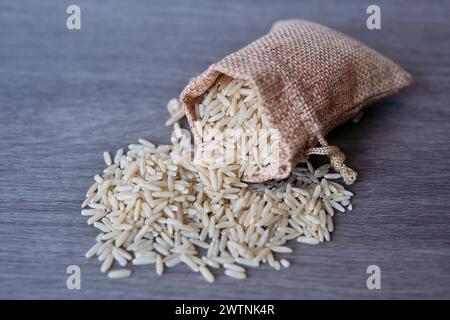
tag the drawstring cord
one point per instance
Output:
(337, 159)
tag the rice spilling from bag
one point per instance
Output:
(234, 129)
(167, 205)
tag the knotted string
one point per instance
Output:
(337, 159)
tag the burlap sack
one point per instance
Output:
(310, 79)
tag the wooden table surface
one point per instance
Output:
(68, 95)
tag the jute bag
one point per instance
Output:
(309, 79)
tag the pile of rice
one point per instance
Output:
(157, 205)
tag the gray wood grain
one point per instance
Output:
(66, 96)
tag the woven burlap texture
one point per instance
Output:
(309, 79)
